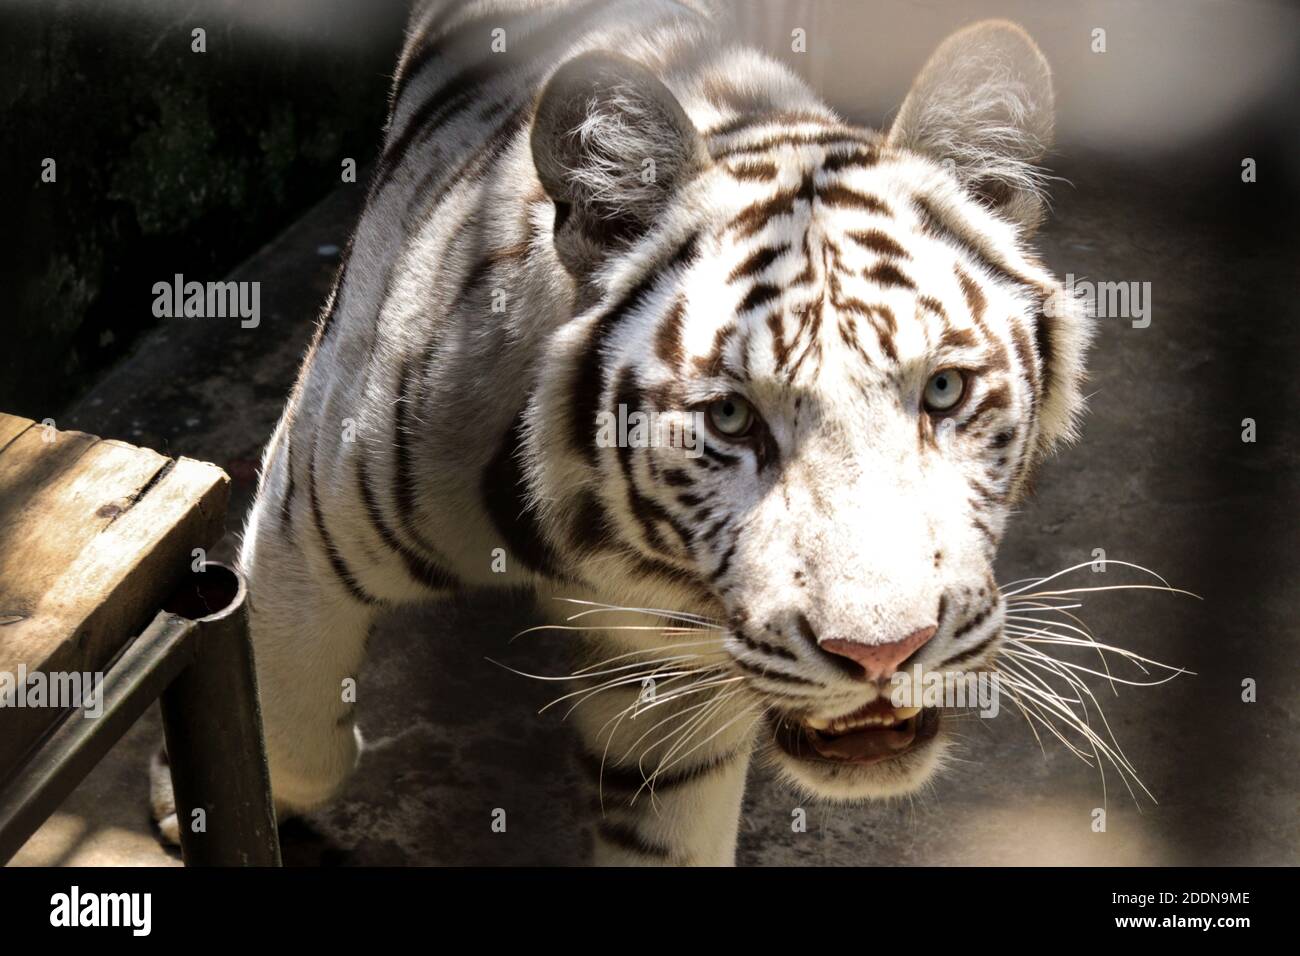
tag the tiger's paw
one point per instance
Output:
(162, 801)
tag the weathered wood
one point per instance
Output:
(62, 514)
(11, 426)
(94, 535)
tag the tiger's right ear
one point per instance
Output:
(611, 145)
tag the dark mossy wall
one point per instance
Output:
(168, 160)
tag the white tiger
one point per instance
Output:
(603, 203)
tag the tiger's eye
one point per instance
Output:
(731, 416)
(944, 390)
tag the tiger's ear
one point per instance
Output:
(983, 104)
(611, 144)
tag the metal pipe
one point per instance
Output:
(213, 724)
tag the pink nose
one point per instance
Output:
(879, 661)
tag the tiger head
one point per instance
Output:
(872, 361)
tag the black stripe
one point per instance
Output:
(806, 631)
(627, 781)
(589, 529)
(758, 261)
(760, 294)
(677, 478)
(646, 510)
(587, 381)
(878, 241)
(421, 570)
(504, 493)
(753, 120)
(668, 339)
(887, 274)
(341, 569)
(775, 675)
(404, 492)
(974, 652)
(755, 216)
(654, 568)
(725, 563)
(712, 532)
(286, 503)
(469, 170)
(994, 399)
(973, 623)
(1043, 343)
(626, 837)
(762, 171)
(478, 273)
(465, 88)
(838, 195)
(433, 43)
(720, 457)
(763, 647)
(859, 158)
(961, 236)
(832, 137)
(1025, 353)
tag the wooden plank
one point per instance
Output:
(29, 462)
(11, 426)
(93, 536)
(129, 569)
(61, 515)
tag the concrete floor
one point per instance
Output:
(1161, 478)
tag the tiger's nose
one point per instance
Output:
(879, 661)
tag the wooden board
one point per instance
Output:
(94, 535)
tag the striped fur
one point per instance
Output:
(503, 287)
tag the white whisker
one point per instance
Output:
(597, 607)
(1033, 582)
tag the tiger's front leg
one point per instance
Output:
(666, 769)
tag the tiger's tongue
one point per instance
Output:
(868, 744)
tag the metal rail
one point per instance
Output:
(199, 662)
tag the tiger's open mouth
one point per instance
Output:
(875, 732)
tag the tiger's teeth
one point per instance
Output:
(840, 725)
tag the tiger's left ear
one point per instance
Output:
(984, 102)
(611, 145)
